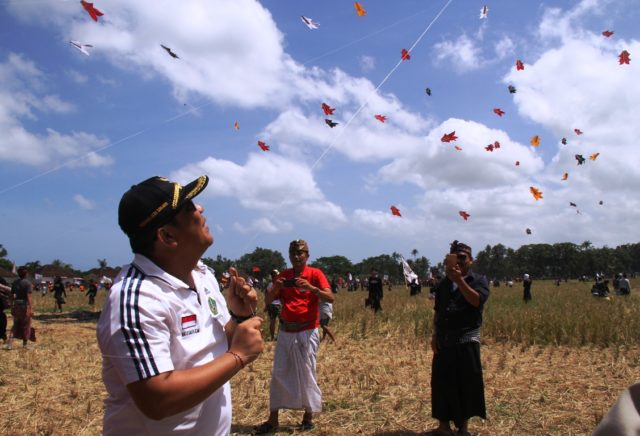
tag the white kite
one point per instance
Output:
(409, 275)
(82, 47)
(484, 11)
(309, 22)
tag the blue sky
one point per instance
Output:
(76, 131)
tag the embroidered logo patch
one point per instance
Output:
(213, 307)
(189, 325)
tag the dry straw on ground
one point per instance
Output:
(541, 377)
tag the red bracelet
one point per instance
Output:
(237, 357)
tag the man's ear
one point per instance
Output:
(166, 236)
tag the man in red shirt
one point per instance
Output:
(293, 379)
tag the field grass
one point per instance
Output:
(552, 367)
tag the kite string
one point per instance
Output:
(99, 149)
(357, 112)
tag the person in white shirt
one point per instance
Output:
(169, 341)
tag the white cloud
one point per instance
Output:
(78, 77)
(83, 202)
(263, 225)
(462, 54)
(23, 96)
(367, 63)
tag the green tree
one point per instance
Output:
(333, 266)
(384, 263)
(5, 263)
(263, 258)
(219, 264)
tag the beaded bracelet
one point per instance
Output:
(237, 357)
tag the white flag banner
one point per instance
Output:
(14, 270)
(409, 275)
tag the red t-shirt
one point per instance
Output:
(301, 306)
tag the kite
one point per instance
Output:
(395, 211)
(457, 148)
(328, 110)
(496, 145)
(565, 176)
(579, 158)
(624, 57)
(93, 12)
(263, 146)
(330, 123)
(82, 47)
(537, 194)
(359, 9)
(309, 22)
(594, 156)
(528, 231)
(499, 112)
(572, 204)
(464, 215)
(448, 137)
(600, 202)
(535, 141)
(512, 89)
(236, 126)
(517, 163)
(607, 33)
(519, 65)
(578, 131)
(428, 91)
(564, 141)
(484, 12)
(172, 54)
(380, 118)
(405, 56)
(489, 147)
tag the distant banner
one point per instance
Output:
(409, 275)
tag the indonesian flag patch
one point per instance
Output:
(189, 325)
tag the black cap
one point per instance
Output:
(155, 202)
(459, 246)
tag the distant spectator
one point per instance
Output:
(21, 308)
(59, 293)
(92, 292)
(274, 308)
(624, 287)
(526, 286)
(414, 287)
(375, 291)
(5, 292)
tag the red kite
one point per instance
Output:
(607, 33)
(535, 141)
(565, 176)
(489, 147)
(519, 65)
(464, 215)
(328, 110)
(496, 145)
(395, 211)
(578, 131)
(448, 137)
(624, 57)
(405, 56)
(93, 12)
(499, 112)
(263, 146)
(594, 156)
(359, 9)
(537, 194)
(517, 163)
(236, 126)
(380, 118)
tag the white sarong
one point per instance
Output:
(293, 379)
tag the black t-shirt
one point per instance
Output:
(21, 289)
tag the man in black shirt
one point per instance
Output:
(375, 290)
(457, 387)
